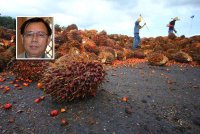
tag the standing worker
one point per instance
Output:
(137, 27)
(172, 24)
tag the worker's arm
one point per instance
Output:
(142, 26)
(168, 25)
(175, 31)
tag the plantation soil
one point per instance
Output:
(158, 100)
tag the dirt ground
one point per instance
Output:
(161, 100)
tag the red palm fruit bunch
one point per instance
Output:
(31, 69)
(73, 80)
(74, 35)
(157, 59)
(101, 39)
(6, 56)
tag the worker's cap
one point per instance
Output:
(176, 19)
(139, 19)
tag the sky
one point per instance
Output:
(113, 16)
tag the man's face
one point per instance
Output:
(35, 39)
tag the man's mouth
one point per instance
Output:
(34, 46)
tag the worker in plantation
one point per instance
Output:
(171, 25)
(136, 42)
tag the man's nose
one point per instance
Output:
(34, 37)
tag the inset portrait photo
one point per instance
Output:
(35, 38)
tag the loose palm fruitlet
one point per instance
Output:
(75, 80)
(29, 69)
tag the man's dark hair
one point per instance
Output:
(33, 20)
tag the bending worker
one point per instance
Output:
(172, 24)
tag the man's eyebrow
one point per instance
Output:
(36, 31)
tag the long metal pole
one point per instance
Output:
(144, 22)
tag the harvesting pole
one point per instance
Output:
(192, 17)
(144, 22)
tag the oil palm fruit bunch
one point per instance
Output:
(182, 57)
(73, 78)
(157, 59)
(29, 69)
(74, 35)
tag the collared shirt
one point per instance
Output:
(24, 55)
(43, 56)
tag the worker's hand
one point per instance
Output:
(175, 31)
